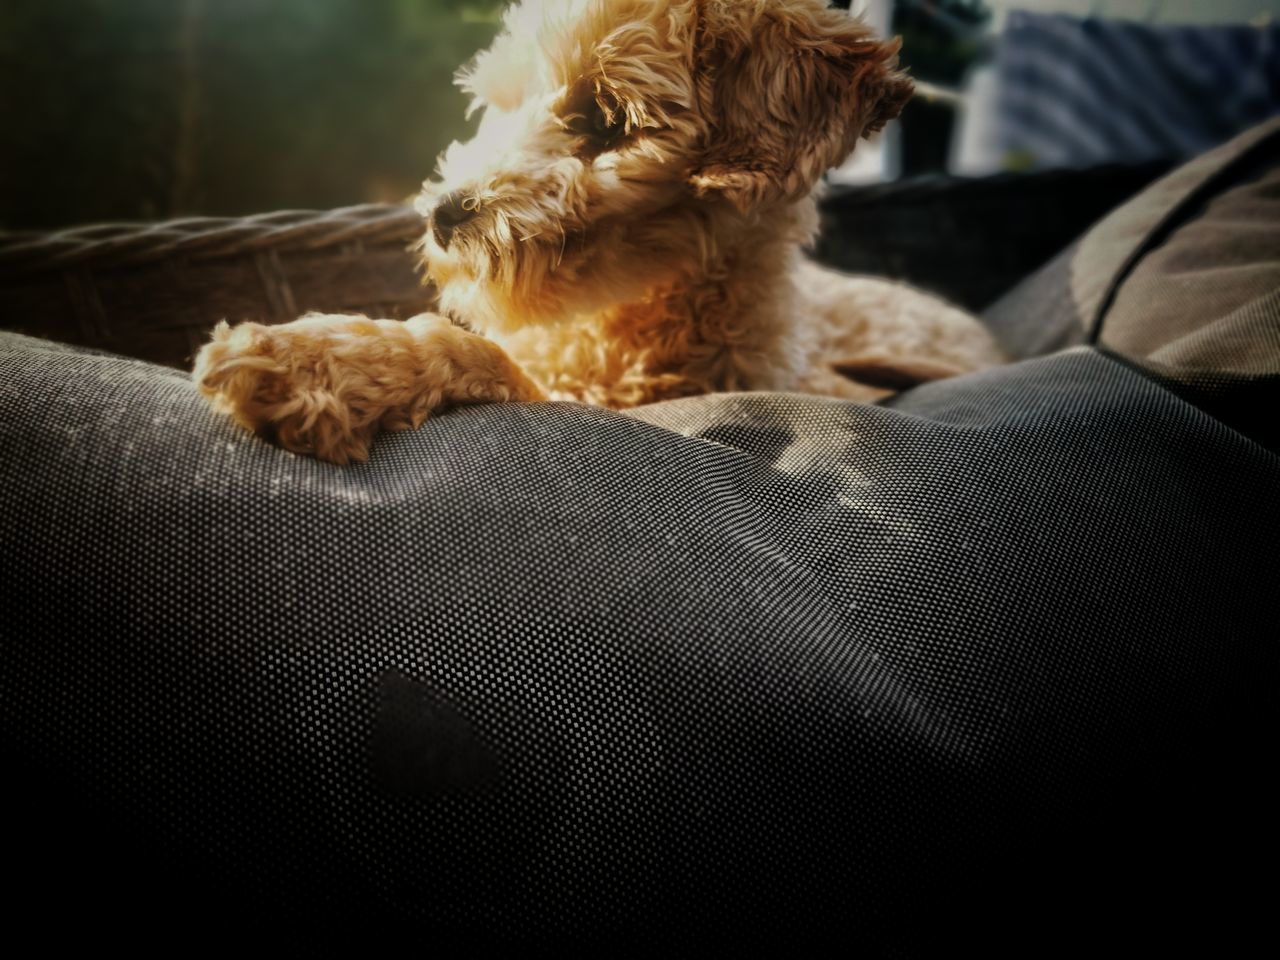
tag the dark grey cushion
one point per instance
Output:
(994, 660)
(1065, 302)
(1183, 280)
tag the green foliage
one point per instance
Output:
(941, 38)
(128, 109)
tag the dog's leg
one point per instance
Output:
(887, 335)
(325, 385)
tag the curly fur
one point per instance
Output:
(635, 202)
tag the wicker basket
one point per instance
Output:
(153, 291)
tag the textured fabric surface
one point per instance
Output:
(1183, 280)
(1221, 261)
(1040, 315)
(1200, 310)
(1064, 303)
(994, 664)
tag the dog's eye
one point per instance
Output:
(592, 120)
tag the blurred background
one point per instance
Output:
(151, 109)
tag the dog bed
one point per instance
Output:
(990, 662)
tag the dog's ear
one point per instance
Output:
(789, 87)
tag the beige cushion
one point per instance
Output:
(1183, 280)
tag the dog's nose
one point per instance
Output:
(448, 215)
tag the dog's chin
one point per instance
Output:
(537, 285)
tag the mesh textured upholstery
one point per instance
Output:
(746, 665)
(1183, 281)
(992, 664)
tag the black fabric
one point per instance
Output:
(993, 665)
(1040, 315)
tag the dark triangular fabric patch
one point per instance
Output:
(422, 745)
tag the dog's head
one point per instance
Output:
(620, 139)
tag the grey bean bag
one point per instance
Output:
(993, 661)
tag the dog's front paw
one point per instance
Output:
(285, 384)
(325, 385)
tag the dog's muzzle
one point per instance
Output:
(448, 215)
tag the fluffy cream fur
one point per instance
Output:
(625, 227)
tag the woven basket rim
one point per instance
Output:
(201, 238)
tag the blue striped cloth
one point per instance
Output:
(1079, 92)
